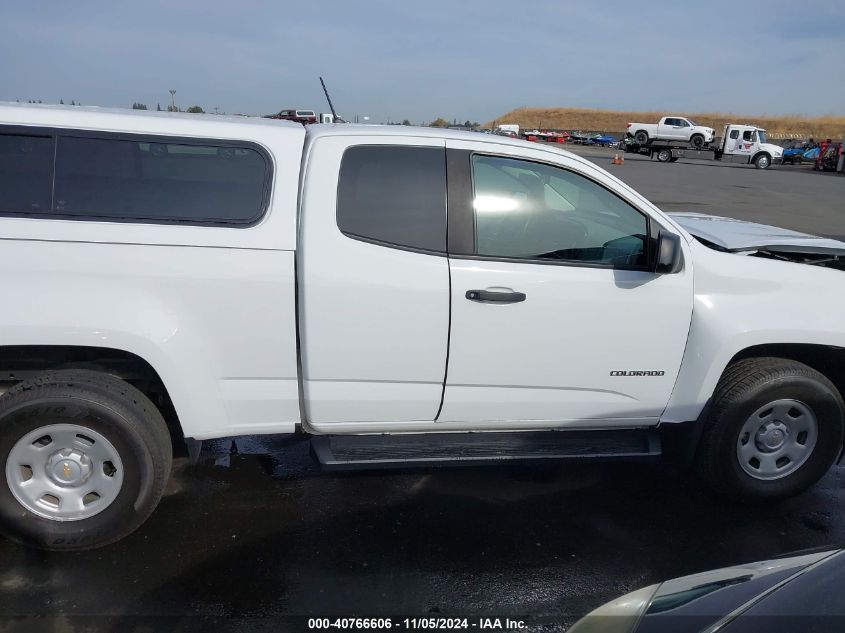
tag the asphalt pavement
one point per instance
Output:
(792, 196)
(257, 537)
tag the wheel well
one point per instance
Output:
(825, 359)
(21, 362)
(758, 154)
(681, 440)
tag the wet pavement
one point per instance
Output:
(263, 539)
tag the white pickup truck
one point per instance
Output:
(395, 295)
(671, 128)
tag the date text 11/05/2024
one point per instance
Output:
(425, 623)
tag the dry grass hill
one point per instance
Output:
(612, 121)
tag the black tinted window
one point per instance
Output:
(533, 211)
(26, 173)
(394, 194)
(141, 180)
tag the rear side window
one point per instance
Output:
(26, 173)
(394, 194)
(127, 178)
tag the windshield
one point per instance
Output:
(761, 136)
(692, 123)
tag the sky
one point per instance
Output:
(405, 59)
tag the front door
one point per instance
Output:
(556, 319)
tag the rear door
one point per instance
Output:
(374, 281)
(556, 318)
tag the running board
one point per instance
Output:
(432, 449)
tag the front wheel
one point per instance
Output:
(763, 161)
(85, 456)
(774, 429)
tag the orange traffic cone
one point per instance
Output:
(616, 160)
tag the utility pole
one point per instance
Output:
(173, 100)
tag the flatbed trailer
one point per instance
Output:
(744, 144)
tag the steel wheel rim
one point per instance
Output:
(764, 162)
(777, 439)
(64, 472)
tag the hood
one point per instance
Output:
(774, 150)
(738, 235)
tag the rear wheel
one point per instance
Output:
(641, 137)
(85, 457)
(774, 429)
(664, 155)
(697, 141)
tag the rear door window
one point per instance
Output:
(395, 195)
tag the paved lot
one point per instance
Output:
(794, 197)
(259, 539)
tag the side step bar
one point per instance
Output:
(432, 449)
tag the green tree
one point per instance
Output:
(158, 107)
(406, 122)
(196, 110)
(139, 106)
(439, 122)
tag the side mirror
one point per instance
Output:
(668, 258)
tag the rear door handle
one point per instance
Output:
(492, 296)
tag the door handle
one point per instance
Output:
(491, 296)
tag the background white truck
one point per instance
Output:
(740, 143)
(393, 295)
(671, 128)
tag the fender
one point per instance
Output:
(210, 321)
(742, 301)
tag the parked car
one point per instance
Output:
(394, 295)
(605, 140)
(800, 592)
(305, 117)
(671, 128)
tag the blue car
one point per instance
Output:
(604, 140)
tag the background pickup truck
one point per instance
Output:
(392, 295)
(671, 128)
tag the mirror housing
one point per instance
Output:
(668, 258)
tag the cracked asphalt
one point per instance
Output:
(257, 537)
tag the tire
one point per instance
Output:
(641, 137)
(762, 161)
(756, 385)
(697, 140)
(116, 420)
(664, 155)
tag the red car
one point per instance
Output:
(300, 116)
